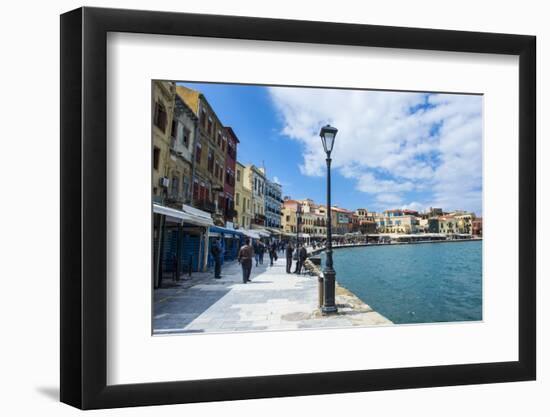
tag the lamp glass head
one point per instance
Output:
(328, 135)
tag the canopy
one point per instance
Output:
(251, 233)
(225, 230)
(193, 216)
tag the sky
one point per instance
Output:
(393, 149)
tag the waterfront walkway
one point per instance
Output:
(274, 300)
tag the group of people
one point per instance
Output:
(256, 251)
(250, 252)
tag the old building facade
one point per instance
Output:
(255, 178)
(273, 200)
(210, 154)
(230, 141)
(180, 161)
(163, 94)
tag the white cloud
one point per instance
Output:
(409, 146)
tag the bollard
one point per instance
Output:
(321, 290)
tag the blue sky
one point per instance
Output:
(393, 149)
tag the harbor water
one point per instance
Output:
(415, 283)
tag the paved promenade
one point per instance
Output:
(274, 300)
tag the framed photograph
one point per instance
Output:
(257, 208)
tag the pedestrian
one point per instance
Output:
(302, 256)
(246, 253)
(256, 248)
(272, 253)
(288, 251)
(261, 249)
(217, 255)
(297, 258)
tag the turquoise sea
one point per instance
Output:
(415, 283)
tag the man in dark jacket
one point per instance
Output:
(288, 252)
(302, 256)
(217, 255)
(246, 253)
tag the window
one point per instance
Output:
(237, 199)
(219, 138)
(175, 186)
(185, 182)
(210, 161)
(198, 153)
(210, 125)
(195, 190)
(203, 119)
(238, 175)
(174, 129)
(216, 169)
(185, 137)
(156, 157)
(223, 144)
(160, 117)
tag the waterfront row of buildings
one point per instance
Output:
(310, 218)
(202, 192)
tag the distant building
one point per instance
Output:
(273, 200)
(243, 199)
(477, 227)
(459, 223)
(342, 220)
(230, 141)
(255, 178)
(398, 221)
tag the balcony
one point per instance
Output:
(205, 205)
(259, 219)
(230, 213)
(174, 201)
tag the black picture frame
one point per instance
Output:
(84, 207)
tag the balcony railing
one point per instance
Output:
(206, 205)
(230, 213)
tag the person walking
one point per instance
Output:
(272, 253)
(256, 247)
(301, 253)
(217, 255)
(246, 253)
(288, 252)
(303, 256)
(261, 249)
(297, 257)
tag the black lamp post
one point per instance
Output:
(298, 220)
(328, 135)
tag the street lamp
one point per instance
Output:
(298, 220)
(328, 135)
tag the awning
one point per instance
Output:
(193, 216)
(225, 231)
(251, 233)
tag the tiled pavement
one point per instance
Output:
(274, 300)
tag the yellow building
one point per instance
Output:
(163, 98)
(312, 218)
(243, 199)
(254, 178)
